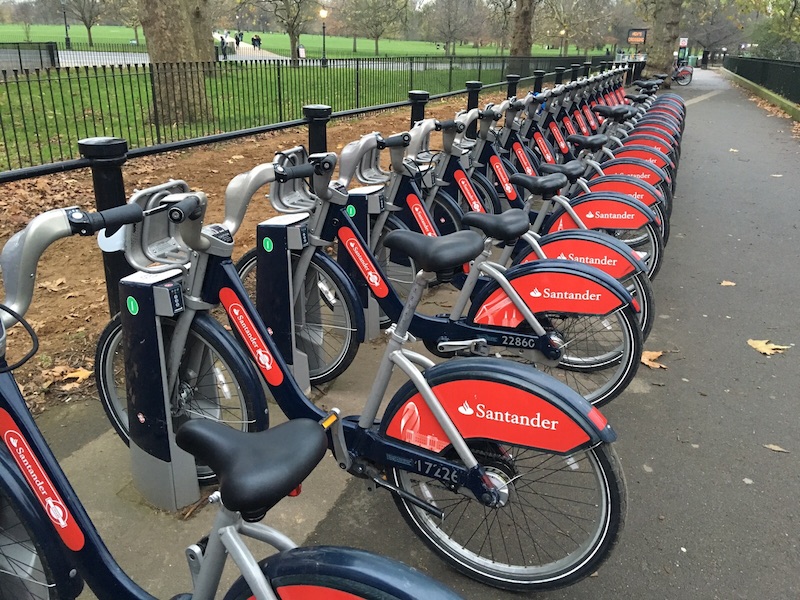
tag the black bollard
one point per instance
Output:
(418, 98)
(576, 71)
(559, 75)
(473, 90)
(512, 81)
(106, 156)
(587, 68)
(538, 79)
(317, 116)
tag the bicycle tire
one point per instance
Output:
(490, 199)
(683, 79)
(223, 369)
(443, 214)
(646, 239)
(324, 321)
(24, 572)
(525, 545)
(331, 573)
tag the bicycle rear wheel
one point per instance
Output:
(324, 324)
(24, 574)
(560, 519)
(208, 388)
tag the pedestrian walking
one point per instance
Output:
(223, 46)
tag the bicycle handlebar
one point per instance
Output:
(284, 174)
(398, 140)
(20, 256)
(188, 208)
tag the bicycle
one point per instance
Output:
(48, 544)
(443, 442)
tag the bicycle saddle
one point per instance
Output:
(661, 76)
(572, 169)
(436, 254)
(618, 113)
(255, 470)
(637, 98)
(506, 226)
(589, 142)
(545, 186)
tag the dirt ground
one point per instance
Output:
(70, 308)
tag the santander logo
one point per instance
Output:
(502, 177)
(364, 264)
(601, 215)
(519, 151)
(469, 192)
(533, 420)
(551, 294)
(247, 329)
(40, 483)
(420, 216)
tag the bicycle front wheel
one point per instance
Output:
(324, 323)
(335, 573)
(208, 382)
(24, 574)
(559, 519)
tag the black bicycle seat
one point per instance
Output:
(661, 76)
(618, 113)
(637, 98)
(572, 169)
(506, 226)
(545, 186)
(255, 470)
(590, 142)
(436, 254)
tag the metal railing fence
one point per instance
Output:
(779, 76)
(44, 112)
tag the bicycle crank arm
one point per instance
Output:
(477, 347)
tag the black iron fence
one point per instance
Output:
(779, 76)
(44, 112)
(28, 55)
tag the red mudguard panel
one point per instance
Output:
(629, 188)
(644, 155)
(546, 291)
(487, 410)
(312, 592)
(588, 252)
(603, 214)
(648, 175)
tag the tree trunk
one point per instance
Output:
(174, 44)
(355, 44)
(89, 35)
(522, 33)
(136, 34)
(200, 20)
(376, 47)
(521, 38)
(294, 41)
(666, 20)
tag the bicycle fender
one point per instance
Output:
(548, 285)
(590, 248)
(29, 508)
(651, 155)
(634, 187)
(649, 141)
(348, 287)
(291, 574)
(636, 168)
(602, 210)
(499, 400)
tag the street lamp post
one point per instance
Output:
(66, 27)
(323, 13)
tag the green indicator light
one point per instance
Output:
(268, 245)
(351, 211)
(133, 305)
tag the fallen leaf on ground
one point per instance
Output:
(733, 150)
(68, 387)
(725, 282)
(775, 448)
(54, 286)
(79, 375)
(649, 358)
(766, 347)
(776, 175)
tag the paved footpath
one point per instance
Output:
(713, 513)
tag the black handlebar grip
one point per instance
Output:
(395, 141)
(188, 208)
(111, 220)
(451, 124)
(284, 174)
